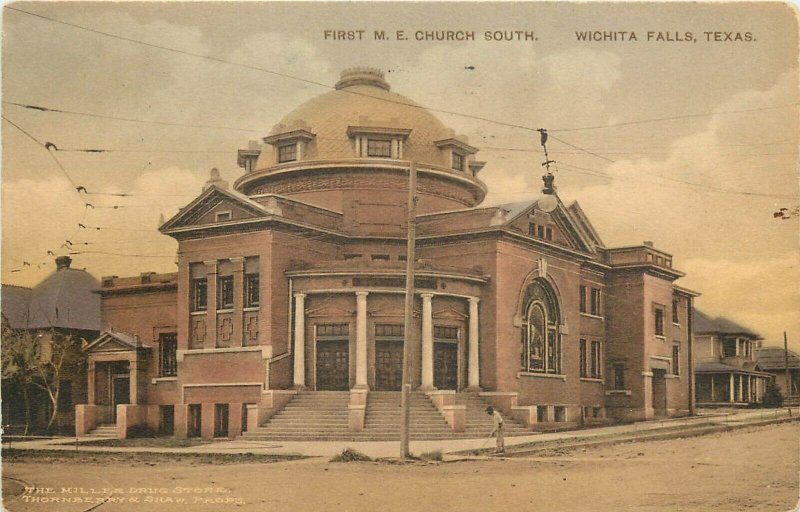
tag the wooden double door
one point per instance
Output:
(333, 365)
(388, 365)
(445, 365)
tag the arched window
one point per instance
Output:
(541, 342)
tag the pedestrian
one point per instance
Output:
(498, 429)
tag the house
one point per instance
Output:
(291, 283)
(725, 368)
(62, 309)
(775, 360)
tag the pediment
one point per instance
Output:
(114, 342)
(449, 313)
(391, 311)
(215, 206)
(563, 226)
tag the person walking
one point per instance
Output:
(498, 429)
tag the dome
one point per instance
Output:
(362, 98)
(343, 146)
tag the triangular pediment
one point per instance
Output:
(114, 342)
(563, 226)
(449, 313)
(215, 206)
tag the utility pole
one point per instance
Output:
(786, 365)
(409, 311)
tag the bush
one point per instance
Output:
(139, 431)
(350, 455)
(773, 396)
(435, 455)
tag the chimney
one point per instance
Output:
(63, 262)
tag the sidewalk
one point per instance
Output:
(378, 449)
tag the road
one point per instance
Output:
(755, 468)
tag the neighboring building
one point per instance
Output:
(725, 363)
(774, 361)
(294, 280)
(64, 304)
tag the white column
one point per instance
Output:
(427, 341)
(361, 340)
(732, 390)
(474, 375)
(299, 340)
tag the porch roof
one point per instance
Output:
(724, 368)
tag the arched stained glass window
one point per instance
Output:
(541, 342)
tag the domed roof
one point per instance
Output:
(362, 98)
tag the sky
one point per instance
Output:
(686, 140)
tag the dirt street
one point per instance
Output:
(753, 469)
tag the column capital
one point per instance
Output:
(361, 294)
(426, 295)
(474, 300)
(239, 260)
(211, 263)
(299, 295)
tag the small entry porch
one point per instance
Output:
(117, 364)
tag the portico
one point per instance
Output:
(447, 341)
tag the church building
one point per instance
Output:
(290, 288)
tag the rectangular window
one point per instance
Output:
(251, 292)
(458, 161)
(333, 331)
(676, 360)
(166, 424)
(167, 354)
(548, 233)
(389, 330)
(728, 348)
(595, 302)
(379, 148)
(441, 332)
(220, 420)
(287, 153)
(222, 216)
(225, 292)
(531, 229)
(583, 358)
(659, 321)
(596, 363)
(619, 376)
(199, 294)
(540, 231)
(583, 299)
(675, 319)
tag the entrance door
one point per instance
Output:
(388, 365)
(121, 394)
(659, 392)
(333, 366)
(445, 365)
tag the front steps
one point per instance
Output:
(104, 431)
(323, 415)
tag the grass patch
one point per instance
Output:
(157, 442)
(435, 455)
(138, 458)
(351, 455)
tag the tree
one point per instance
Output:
(773, 396)
(40, 359)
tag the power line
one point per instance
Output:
(347, 91)
(672, 118)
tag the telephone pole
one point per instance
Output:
(409, 309)
(786, 365)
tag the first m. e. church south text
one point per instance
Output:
(428, 35)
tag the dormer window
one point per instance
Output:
(459, 152)
(289, 146)
(378, 142)
(287, 153)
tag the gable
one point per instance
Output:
(114, 342)
(557, 227)
(204, 209)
